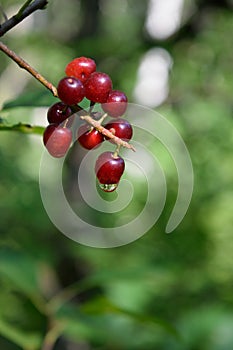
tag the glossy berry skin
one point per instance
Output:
(97, 87)
(81, 68)
(70, 90)
(108, 168)
(88, 137)
(57, 140)
(116, 103)
(58, 113)
(120, 128)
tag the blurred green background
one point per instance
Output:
(166, 292)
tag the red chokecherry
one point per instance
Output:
(109, 169)
(89, 137)
(58, 113)
(116, 103)
(97, 87)
(81, 68)
(120, 128)
(70, 90)
(57, 140)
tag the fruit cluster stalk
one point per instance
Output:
(106, 132)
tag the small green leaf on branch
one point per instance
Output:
(23, 128)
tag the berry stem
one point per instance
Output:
(66, 123)
(24, 65)
(117, 151)
(106, 132)
(102, 118)
(27, 9)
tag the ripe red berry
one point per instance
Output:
(116, 103)
(120, 128)
(109, 170)
(58, 113)
(81, 68)
(70, 90)
(88, 137)
(57, 140)
(97, 87)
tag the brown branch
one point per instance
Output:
(24, 65)
(106, 132)
(22, 13)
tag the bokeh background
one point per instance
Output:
(167, 292)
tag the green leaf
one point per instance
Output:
(22, 8)
(20, 269)
(27, 341)
(32, 99)
(23, 128)
(101, 305)
(100, 320)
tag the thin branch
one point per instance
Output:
(53, 333)
(106, 132)
(68, 293)
(24, 65)
(27, 9)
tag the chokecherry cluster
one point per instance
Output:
(82, 80)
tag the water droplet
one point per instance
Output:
(108, 187)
